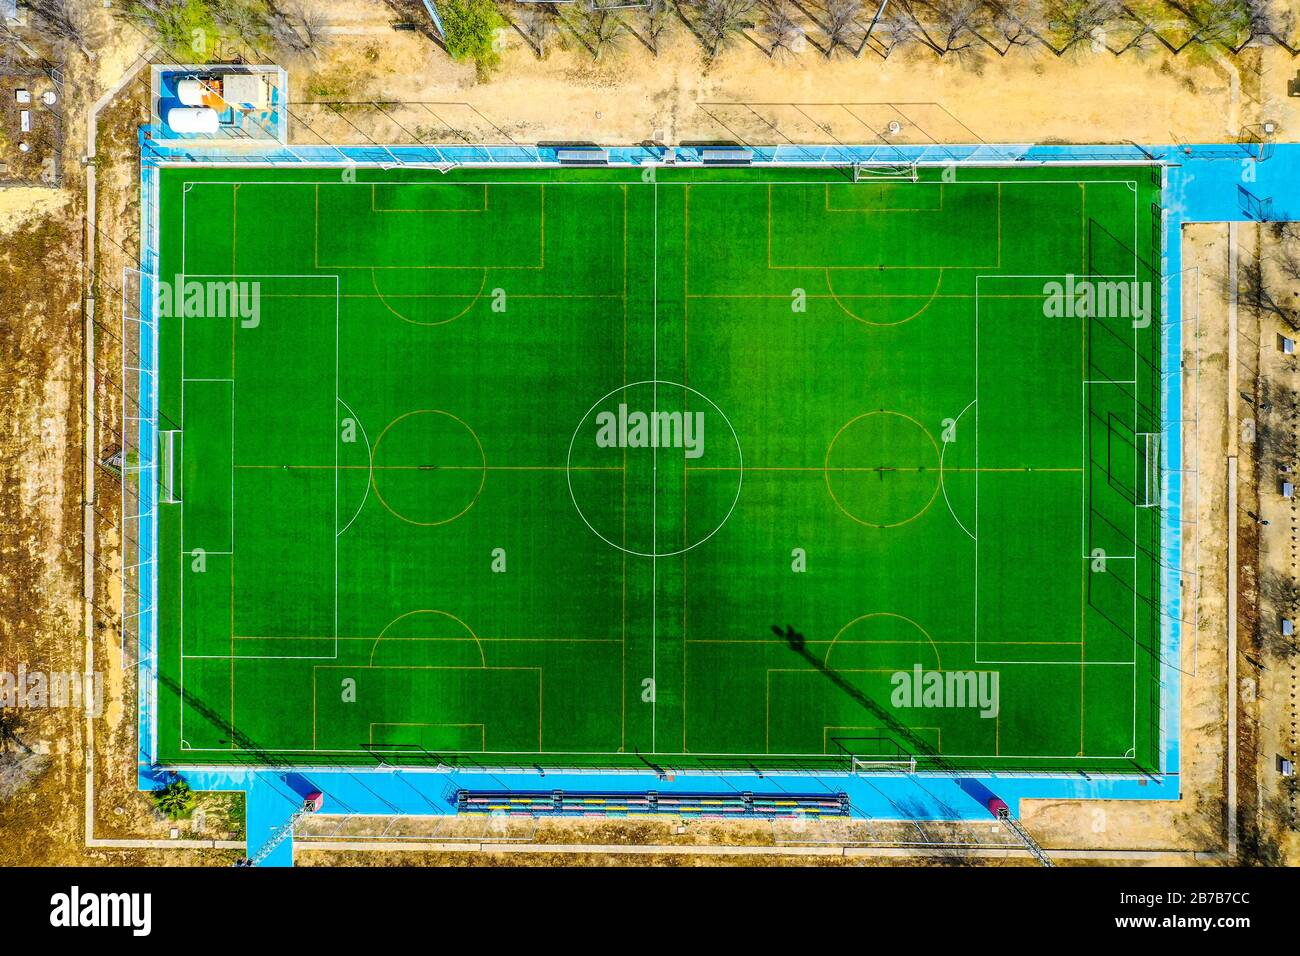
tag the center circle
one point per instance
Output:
(427, 467)
(654, 468)
(882, 469)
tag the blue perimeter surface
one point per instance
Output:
(1210, 183)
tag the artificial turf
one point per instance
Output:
(396, 536)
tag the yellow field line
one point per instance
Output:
(779, 643)
(436, 467)
(849, 468)
(375, 208)
(383, 723)
(938, 733)
(857, 187)
(371, 637)
(473, 300)
(622, 741)
(686, 364)
(854, 295)
(541, 265)
(455, 295)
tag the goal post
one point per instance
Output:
(1148, 493)
(167, 467)
(884, 172)
(864, 765)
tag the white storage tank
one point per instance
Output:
(185, 119)
(190, 92)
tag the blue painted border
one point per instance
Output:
(1202, 183)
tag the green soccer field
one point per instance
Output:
(520, 467)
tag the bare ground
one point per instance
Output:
(1267, 547)
(39, 472)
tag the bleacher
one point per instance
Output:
(561, 803)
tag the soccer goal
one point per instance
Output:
(884, 172)
(1148, 495)
(167, 467)
(871, 765)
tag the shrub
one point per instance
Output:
(470, 30)
(176, 800)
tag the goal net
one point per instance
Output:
(884, 172)
(877, 765)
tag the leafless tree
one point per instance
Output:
(654, 21)
(1255, 292)
(1230, 24)
(1279, 412)
(61, 21)
(537, 24)
(1077, 25)
(841, 18)
(12, 49)
(1286, 236)
(299, 29)
(1131, 33)
(1008, 25)
(1284, 802)
(1285, 231)
(601, 28)
(243, 20)
(947, 26)
(1275, 441)
(18, 770)
(1259, 845)
(9, 58)
(719, 23)
(894, 28)
(1280, 589)
(11, 724)
(778, 27)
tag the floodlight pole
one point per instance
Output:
(874, 20)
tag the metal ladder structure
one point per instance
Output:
(310, 805)
(1021, 834)
(266, 761)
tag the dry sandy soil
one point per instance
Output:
(1269, 672)
(629, 96)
